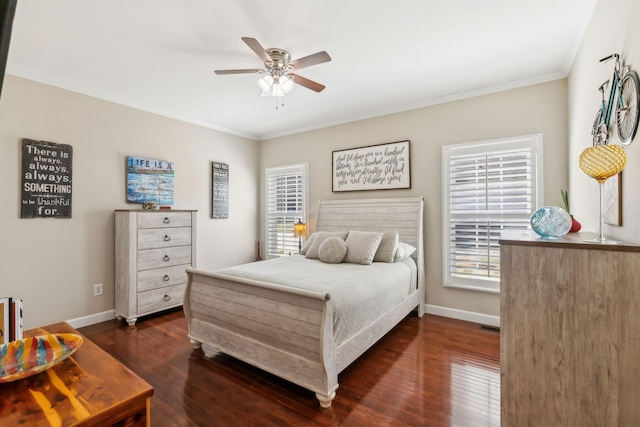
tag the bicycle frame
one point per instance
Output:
(607, 111)
(625, 85)
(615, 89)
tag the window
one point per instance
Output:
(488, 187)
(287, 189)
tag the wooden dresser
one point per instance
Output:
(153, 249)
(569, 332)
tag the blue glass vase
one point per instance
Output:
(551, 222)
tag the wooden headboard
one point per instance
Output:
(404, 215)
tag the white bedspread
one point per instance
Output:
(360, 293)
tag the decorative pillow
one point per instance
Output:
(320, 237)
(387, 250)
(332, 250)
(362, 246)
(307, 244)
(404, 250)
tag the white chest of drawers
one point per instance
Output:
(153, 249)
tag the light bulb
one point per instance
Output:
(277, 90)
(286, 83)
(266, 83)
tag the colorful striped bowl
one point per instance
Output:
(29, 356)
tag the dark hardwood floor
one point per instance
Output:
(431, 372)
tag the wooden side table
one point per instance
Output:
(89, 388)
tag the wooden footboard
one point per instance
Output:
(287, 332)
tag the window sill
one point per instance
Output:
(472, 288)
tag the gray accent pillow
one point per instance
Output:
(362, 246)
(387, 250)
(320, 237)
(404, 250)
(307, 244)
(332, 250)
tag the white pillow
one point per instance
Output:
(362, 246)
(307, 244)
(332, 250)
(404, 250)
(387, 250)
(320, 237)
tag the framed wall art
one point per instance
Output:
(219, 190)
(149, 180)
(374, 167)
(46, 179)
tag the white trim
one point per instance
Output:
(469, 316)
(533, 142)
(471, 288)
(276, 170)
(92, 319)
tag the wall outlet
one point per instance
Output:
(97, 289)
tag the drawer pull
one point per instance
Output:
(167, 238)
(166, 278)
(166, 258)
(167, 297)
(167, 220)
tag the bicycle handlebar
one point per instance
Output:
(614, 55)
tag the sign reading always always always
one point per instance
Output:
(46, 179)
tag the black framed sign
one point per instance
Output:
(219, 190)
(375, 167)
(46, 179)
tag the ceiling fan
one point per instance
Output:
(279, 68)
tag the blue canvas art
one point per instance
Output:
(149, 181)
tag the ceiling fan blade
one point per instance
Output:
(307, 61)
(246, 71)
(257, 48)
(309, 84)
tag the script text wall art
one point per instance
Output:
(376, 167)
(46, 179)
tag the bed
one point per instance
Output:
(293, 332)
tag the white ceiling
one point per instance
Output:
(159, 55)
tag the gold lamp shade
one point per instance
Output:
(603, 161)
(299, 229)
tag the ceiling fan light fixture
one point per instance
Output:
(277, 90)
(287, 84)
(279, 78)
(266, 83)
(275, 87)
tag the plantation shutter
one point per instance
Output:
(489, 188)
(286, 204)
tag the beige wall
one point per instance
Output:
(613, 28)
(52, 263)
(534, 109)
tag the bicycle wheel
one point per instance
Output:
(628, 110)
(599, 130)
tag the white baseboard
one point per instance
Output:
(80, 322)
(469, 316)
(454, 313)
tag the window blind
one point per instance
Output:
(489, 188)
(286, 203)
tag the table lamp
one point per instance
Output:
(299, 230)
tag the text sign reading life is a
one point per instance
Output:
(46, 179)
